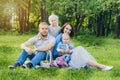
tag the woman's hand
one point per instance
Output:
(62, 52)
(68, 51)
(71, 51)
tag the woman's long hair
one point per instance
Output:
(72, 29)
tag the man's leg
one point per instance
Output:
(36, 60)
(20, 60)
(22, 57)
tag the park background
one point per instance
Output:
(96, 25)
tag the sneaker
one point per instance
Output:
(107, 68)
(37, 66)
(28, 65)
(14, 65)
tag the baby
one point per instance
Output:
(65, 47)
(54, 29)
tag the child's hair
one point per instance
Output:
(66, 35)
(53, 16)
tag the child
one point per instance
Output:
(65, 47)
(54, 29)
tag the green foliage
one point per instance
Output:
(85, 23)
(67, 10)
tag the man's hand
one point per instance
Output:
(26, 48)
(29, 51)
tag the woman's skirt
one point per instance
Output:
(80, 58)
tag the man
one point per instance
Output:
(42, 42)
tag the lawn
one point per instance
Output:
(105, 50)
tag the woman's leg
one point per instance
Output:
(95, 64)
(98, 65)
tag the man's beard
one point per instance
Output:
(44, 35)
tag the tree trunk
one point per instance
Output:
(21, 24)
(100, 31)
(109, 22)
(117, 28)
(78, 24)
(23, 17)
(26, 16)
(44, 16)
(90, 23)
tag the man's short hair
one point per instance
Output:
(43, 23)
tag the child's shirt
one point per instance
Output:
(54, 31)
(62, 46)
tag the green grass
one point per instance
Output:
(105, 50)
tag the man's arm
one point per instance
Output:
(46, 47)
(25, 46)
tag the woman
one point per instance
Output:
(65, 29)
(80, 57)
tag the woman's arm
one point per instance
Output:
(59, 38)
(61, 51)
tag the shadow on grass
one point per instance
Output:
(116, 72)
(89, 40)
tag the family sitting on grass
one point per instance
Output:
(57, 40)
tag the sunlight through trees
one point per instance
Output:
(97, 17)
